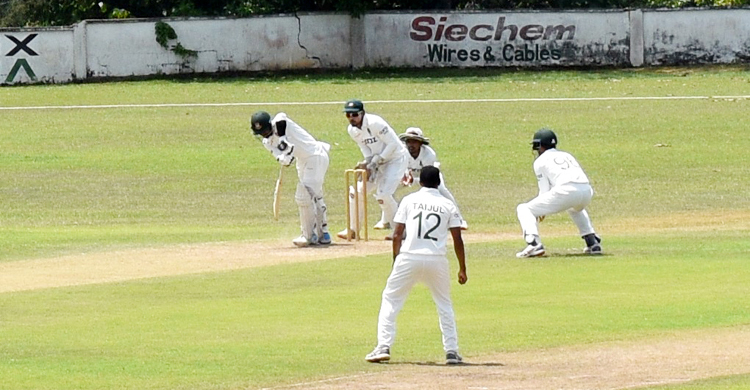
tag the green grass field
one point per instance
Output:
(672, 204)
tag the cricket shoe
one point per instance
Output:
(381, 353)
(532, 250)
(452, 357)
(593, 244)
(595, 249)
(382, 226)
(301, 241)
(325, 239)
(347, 234)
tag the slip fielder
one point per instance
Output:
(420, 156)
(563, 185)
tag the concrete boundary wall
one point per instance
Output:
(616, 38)
(697, 37)
(512, 39)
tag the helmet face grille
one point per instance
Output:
(260, 122)
(260, 128)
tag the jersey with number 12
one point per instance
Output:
(427, 216)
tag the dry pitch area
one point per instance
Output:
(672, 358)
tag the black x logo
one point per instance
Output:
(22, 45)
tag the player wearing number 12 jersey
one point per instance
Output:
(422, 221)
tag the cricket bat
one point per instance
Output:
(277, 195)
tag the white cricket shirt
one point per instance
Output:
(427, 216)
(377, 137)
(427, 157)
(304, 144)
(555, 167)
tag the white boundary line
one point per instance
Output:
(518, 100)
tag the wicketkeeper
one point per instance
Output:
(288, 142)
(384, 158)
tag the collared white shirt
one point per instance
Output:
(555, 167)
(377, 137)
(427, 157)
(296, 140)
(428, 216)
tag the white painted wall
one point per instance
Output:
(124, 48)
(517, 39)
(49, 55)
(222, 45)
(697, 36)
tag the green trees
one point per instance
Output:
(19, 13)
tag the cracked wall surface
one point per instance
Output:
(619, 38)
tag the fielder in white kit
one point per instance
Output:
(424, 218)
(384, 158)
(421, 155)
(563, 185)
(288, 141)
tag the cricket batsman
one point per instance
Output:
(288, 141)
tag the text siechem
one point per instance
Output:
(539, 41)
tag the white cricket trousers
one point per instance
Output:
(387, 180)
(573, 197)
(409, 269)
(309, 196)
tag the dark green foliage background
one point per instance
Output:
(65, 12)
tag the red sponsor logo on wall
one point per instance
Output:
(426, 28)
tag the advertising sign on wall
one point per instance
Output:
(531, 39)
(501, 40)
(30, 56)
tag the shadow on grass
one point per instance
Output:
(436, 364)
(583, 255)
(332, 244)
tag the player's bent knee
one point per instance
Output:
(525, 209)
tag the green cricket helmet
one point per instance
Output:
(545, 138)
(260, 123)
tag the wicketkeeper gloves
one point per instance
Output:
(374, 161)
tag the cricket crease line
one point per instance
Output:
(246, 104)
(319, 382)
(656, 383)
